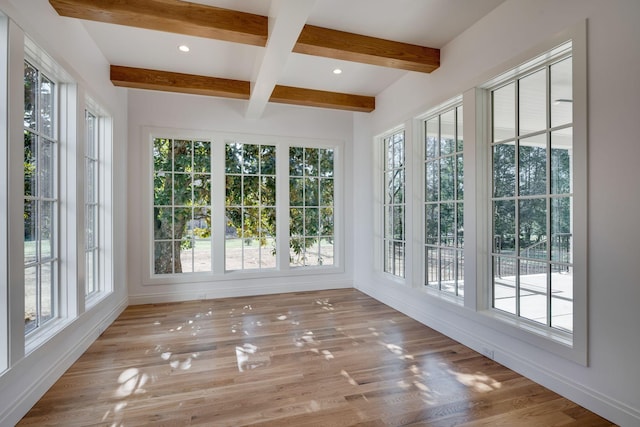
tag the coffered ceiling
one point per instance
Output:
(273, 50)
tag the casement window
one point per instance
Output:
(311, 201)
(181, 206)
(91, 204)
(250, 201)
(532, 192)
(394, 243)
(41, 203)
(444, 207)
(232, 204)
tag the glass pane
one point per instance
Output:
(90, 274)
(562, 297)
(202, 156)
(311, 160)
(504, 226)
(296, 191)
(30, 298)
(459, 177)
(268, 190)
(46, 227)
(504, 170)
(533, 291)
(311, 251)
(250, 190)
(431, 267)
(181, 218)
(30, 231)
(268, 253)
(46, 170)
(186, 256)
(311, 191)
(233, 228)
(91, 190)
(250, 224)
(398, 222)
(90, 225)
(201, 190)
(460, 272)
(447, 270)
(202, 255)
(30, 165)
(460, 224)
(561, 93)
(162, 189)
(326, 192)
(296, 222)
(200, 224)
(182, 185)
(447, 224)
(163, 223)
(447, 178)
(431, 138)
(561, 237)
(533, 102)
(326, 221)
(326, 252)
(326, 163)
(47, 93)
(533, 165)
(432, 185)
(398, 150)
(504, 284)
(561, 161)
(504, 113)
(250, 158)
(91, 128)
(296, 161)
(233, 158)
(268, 222)
(296, 252)
(311, 222)
(233, 190)
(268, 160)
(163, 258)
(431, 220)
(459, 123)
(448, 133)
(233, 248)
(388, 221)
(182, 161)
(162, 154)
(398, 187)
(30, 95)
(388, 147)
(533, 228)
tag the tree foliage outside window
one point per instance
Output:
(40, 198)
(181, 206)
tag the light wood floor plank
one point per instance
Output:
(327, 358)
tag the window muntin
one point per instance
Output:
(40, 198)
(181, 206)
(444, 207)
(394, 243)
(532, 194)
(250, 201)
(91, 204)
(311, 206)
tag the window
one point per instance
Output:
(40, 198)
(181, 206)
(394, 204)
(444, 208)
(532, 195)
(250, 233)
(311, 206)
(91, 204)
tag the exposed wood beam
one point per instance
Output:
(369, 50)
(141, 78)
(171, 16)
(320, 98)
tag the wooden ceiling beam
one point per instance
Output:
(369, 50)
(142, 78)
(172, 16)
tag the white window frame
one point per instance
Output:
(219, 140)
(477, 109)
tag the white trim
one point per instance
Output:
(4, 192)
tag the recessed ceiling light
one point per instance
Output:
(183, 48)
(337, 71)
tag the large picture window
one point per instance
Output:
(40, 198)
(394, 243)
(532, 193)
(181, 206)
(444, 207)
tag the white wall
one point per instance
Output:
(200, 113)
(69, 45)
(610, 385)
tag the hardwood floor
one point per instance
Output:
(327, 358)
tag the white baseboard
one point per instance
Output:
(607, 407)
(229, 290)
(30, 394)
